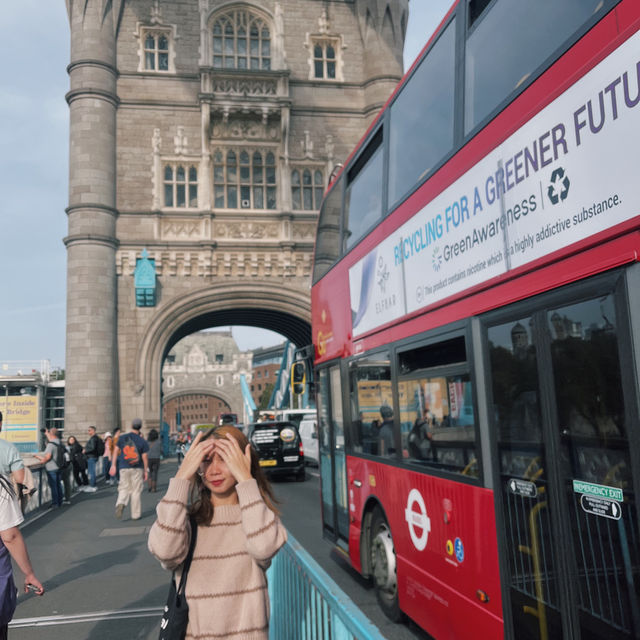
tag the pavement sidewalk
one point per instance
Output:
(101, 581)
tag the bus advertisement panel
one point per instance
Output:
(565, 176)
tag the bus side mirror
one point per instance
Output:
(298, 377)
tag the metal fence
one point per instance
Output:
(306, 604)
(40, 496)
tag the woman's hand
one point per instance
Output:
(237, 462)
(193, 458)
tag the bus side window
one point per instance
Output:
(437, 420)
(372, 415)
(438, 425)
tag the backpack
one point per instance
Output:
(61, 457)
(129, 450)
(100, 446)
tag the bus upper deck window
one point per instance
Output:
(363, 201)
(505, 45)
(422, 118)
(328, 236)
(476, 7)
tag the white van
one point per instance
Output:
(308, 430)
(293, 415)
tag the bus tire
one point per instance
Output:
(383, 566)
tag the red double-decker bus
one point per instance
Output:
(476, 324)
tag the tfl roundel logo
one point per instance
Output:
(418, 521)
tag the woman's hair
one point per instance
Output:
(202, 509)
(71, 438)
(152, 435)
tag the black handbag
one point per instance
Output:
(175, 618)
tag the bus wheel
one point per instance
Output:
(383, 566)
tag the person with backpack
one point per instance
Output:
(93, 450)
(53, 459)
(130, 457)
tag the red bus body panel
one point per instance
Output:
(434, 585)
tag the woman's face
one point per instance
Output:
(217, 477)
(72, 440)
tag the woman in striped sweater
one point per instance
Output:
(239, 531)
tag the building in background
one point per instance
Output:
(202, 379)
(31, 399)
(264, 373)
(202, 136)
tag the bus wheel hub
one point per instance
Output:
(384, 561)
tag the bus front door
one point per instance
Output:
(331, 453)
(563, 421)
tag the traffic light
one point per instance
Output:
(298, 377)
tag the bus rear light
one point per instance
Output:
(482, 596)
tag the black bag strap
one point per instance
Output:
(187, 561)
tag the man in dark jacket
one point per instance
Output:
(92, 453)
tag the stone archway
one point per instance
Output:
(195, 405)
(280, 309)
(219, 394)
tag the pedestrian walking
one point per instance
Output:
(78, 462)
(155, 453)
(181, 446)
(65, 473)
(93, 450)
(130, 457)
(106, 458)
(53, 460)
(237, 529)
(12, 545)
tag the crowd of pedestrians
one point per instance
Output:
(118, 458)
(234, 509)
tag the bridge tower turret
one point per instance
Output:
(91, 347)
(383, 26)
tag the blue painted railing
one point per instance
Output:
(306, 604)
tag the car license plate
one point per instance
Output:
(268, 463)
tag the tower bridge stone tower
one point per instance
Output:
(202, 135)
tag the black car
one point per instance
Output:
(279, 448)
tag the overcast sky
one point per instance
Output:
(34, 125)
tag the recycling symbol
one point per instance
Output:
(559, 187)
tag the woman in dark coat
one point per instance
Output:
(78, 461)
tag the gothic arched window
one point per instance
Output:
(244, 179)
(307, 187)
(180, 186)
(324, 59)
(156, 51)
(241, 40)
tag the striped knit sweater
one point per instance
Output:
(226, 587)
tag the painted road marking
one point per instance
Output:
(92, 616)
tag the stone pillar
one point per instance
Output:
(383, 26)
(91, 395)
